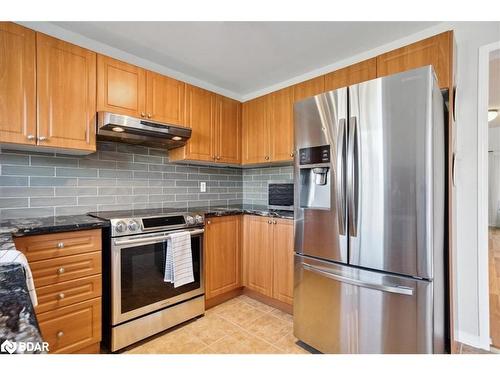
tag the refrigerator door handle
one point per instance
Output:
(353, 178)
(341, 205)
(383, 288)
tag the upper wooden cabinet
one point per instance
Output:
(436, 51)
(228, 130)
(17, 84)
(222, 255)
(351, 75)
(121, 87)
(309, 88)
(281, 125)
(256, 133)
(66, 94)
(165, 99)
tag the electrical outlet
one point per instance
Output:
(203, 187)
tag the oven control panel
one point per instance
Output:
(131, 226)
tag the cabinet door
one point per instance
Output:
(256, 135)
(66, 94)
(258, 254)
(17, 84)
(351, 75)
(434, 51)
(121, 87)
(200, 117)
(281, 125)
(228, 132)
(283, 260)
(165, 99)
(222, 255)
(309, 88)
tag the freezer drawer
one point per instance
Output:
(341, 309)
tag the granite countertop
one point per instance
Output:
(18, 322)
(245, 209)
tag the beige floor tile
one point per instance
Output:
(289, 346)
(256, 304)
(241, 343)
(269, 328)
(282, 315)
(211, 328)
(239, 313)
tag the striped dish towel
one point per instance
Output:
(15, 256)
(178, 259)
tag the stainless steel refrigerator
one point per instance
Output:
(369, 217)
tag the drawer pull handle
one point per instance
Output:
(60, 334)
(60, 271)
(60, 245)
(60, 296)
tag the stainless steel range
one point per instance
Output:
(137, 301)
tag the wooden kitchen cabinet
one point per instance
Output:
(17, 84)
(283, 260)
(227, 131)
(121, 87)
(66, 94)
(256, 134)
(309, 88)
(268, 257)
(351, 75)
(222, 255)
(436, 51)
(165, 99)
(281, 125)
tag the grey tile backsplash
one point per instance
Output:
(118, 176)
(255, 182)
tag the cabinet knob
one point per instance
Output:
(60, 334)
(269, 221)
(30, 137)
(150, 115)
(42, 138)
(60, 296)
(275, 222)
(292, 154)
(60, 245)
(267, 158)
(143, 114)
(208, 221)
(218, 157)
(60, 271)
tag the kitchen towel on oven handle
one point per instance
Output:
(178, 259)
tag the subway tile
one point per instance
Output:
(16, 213)
(106, 146)
(18, 170)
(158, 152)
(14, 202)
(186, 169)
(134, 183)
(13, 181)
(149, 175)
(175, 204)
(96, 182)
(147, 159)
(53, 181)
(162, 198)
(76, 172)
(53, 161)
(119, 190)
(194, 204)
(122, 199)
(13, 159)
(186, 183)
(161, 168)
(52, 201)
(132, 149)
(113, 207)
(75, 210)
(115, 173)
(89, 163)
(102, 199)
(26, 191)
(186, 197)
(175, 190)
(7, 150)
(174, 176)
(117, 156)
(75, 191)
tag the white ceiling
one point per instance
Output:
(244, 57)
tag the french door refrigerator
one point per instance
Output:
(369, 217)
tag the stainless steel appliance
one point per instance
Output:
(369, 217)
(120, 128)
(137, 302)
(280, 195)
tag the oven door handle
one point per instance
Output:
(149, 239)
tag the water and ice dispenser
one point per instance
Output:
(315, 177)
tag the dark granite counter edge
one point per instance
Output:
(222, 212)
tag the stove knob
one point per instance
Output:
(121, 226)
(190, 220)
(133, 225)
(199, 219)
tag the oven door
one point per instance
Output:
(137, 273)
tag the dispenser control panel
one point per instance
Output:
(314, 155)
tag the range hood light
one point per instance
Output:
(118, 129)
(492, 114)
(176, 138)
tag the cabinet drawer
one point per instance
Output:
(58, 295)
(48, 246)
(71, 328)
(47, 272)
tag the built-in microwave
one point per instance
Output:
(280, 195)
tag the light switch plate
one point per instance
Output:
(203, 187)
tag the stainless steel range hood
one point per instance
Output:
(120, 128)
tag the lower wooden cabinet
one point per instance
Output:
(66, 271)
(268, 257)
(222, 255)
